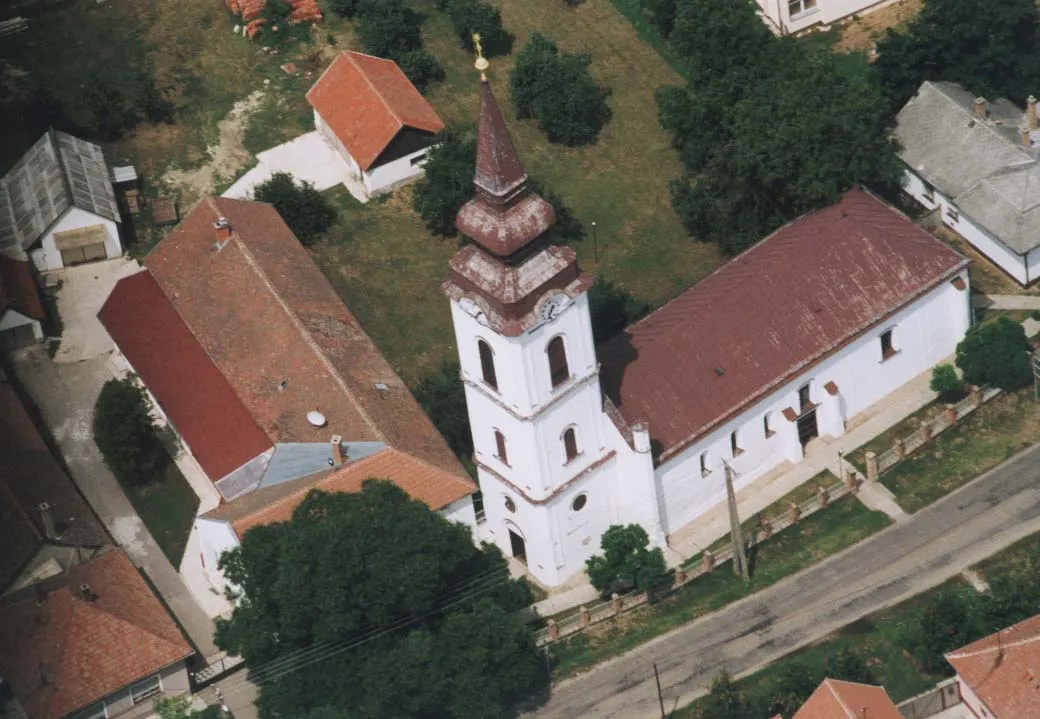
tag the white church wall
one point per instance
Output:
(47, 257)
(461, 511)
(923, 334)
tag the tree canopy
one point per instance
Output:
(443, 398)
(448, 180)
(557, 90)
(995, 354)
(126, 434)
(989, 46)
(304, 209)
(393, 29)
(627, 561)
(476, 16)
(422, 620)
(757, 149)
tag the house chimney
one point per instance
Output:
(223, 229)
(86, 593)
(47, 519)
(336, 447)
(981, 108)
(1031, 116)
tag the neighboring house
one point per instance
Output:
(92, 643)
(46, 526)
(57, 205)
(975, 164)
(21, 312)
(835, 699)
(262, 371)
(791, 16)
(790, 340)
(223, 528)
(999, 675)
(371, 114)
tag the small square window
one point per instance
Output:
(887, 349)
(797, 7)
(734, 444)
(418, 159)
(145, 689)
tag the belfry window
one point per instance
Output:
(559, 372)
(570, 443)
(500, 447)
(487, 364)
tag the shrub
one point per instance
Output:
(558, 91)
(421, 68)
(345, 8)
(946, 382)
(448, 180)
(627, 561)
(476, 16)
(995, 354)
(389, 28)
(305, 210)
(126, 434)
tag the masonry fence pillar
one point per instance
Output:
(615, 604)
(707, 561)
(951, 414)
(976, 395)
(900, 448)
(680, 577)
(583, 616)
(872, 466)
(821, 495)
(554, 631)
(926, 430)
(793, 513)
(765, 529)
(850, 481)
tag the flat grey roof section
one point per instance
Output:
(57, 172)
(293, 460)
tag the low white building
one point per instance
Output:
(57, 205)
(21, 312)
(975, 164)
(371, 114)
(788, 341)
(785, 17)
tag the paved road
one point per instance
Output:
(938, 543)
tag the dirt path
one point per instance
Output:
(861, 34)
(225, 159)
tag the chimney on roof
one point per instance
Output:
(47, 520)
(222, 227)
(1031, 116)
(87, 593)
(641, 437)
(336, 447)
(981, 108)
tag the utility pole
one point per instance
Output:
(595, 242)
(660, 698)
(740, 563)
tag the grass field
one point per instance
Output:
(827, 532)
(167, 507)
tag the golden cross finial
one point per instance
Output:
(481, 63)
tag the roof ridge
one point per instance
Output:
(307, 337)
(94, 608)
(990, 126)
(837, 697)
(1001, 646)
(375, 89)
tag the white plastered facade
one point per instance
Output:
(792, 16)
(47, 257)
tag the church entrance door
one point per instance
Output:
(518, 547)
(807, 429)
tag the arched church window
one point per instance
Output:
(487, 364)
(559, 372)
(570, 443)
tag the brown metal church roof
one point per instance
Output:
(770, 313)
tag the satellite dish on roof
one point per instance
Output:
(316, 418)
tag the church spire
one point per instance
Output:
(506, 215)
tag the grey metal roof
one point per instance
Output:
(57, 172)
(293, 460)
(244, 479)
(979, 164)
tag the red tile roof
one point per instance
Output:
(70, 651)
(430, 485)
(835, 699)
(366, 101)
(769, 314)
(18, 288)
(1003, 669)
(199, 402)
(281, 336)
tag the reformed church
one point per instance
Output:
(789, 341)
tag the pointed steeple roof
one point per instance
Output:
(498, 167)
(506, 215)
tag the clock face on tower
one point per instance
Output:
(552, 308)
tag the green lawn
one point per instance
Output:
(167, 507)
(827, 532)
(989, 436)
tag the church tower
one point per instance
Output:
(546, 455)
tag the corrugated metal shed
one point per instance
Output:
(58, 172)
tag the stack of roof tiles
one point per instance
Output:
(251, 10)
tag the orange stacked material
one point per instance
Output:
(234, 6)
(251, 9)
(304, 11)
(252, 28)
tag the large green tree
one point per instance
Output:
(126, 434)
(399, 614)
(792, 686)
(305, 210)
(995, 354)
(443, 397)
(389, 28)
(447, 183)
(989, 46)
(724, 699)
(627, 561)
(476, 16)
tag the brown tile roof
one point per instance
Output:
(18, 288)
(30, 475)
(266, 315)
(769, 314)
(430, 485)
(366, 101)
(1003, 669)
(835, 699)
(199, 402)
(70, 651)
